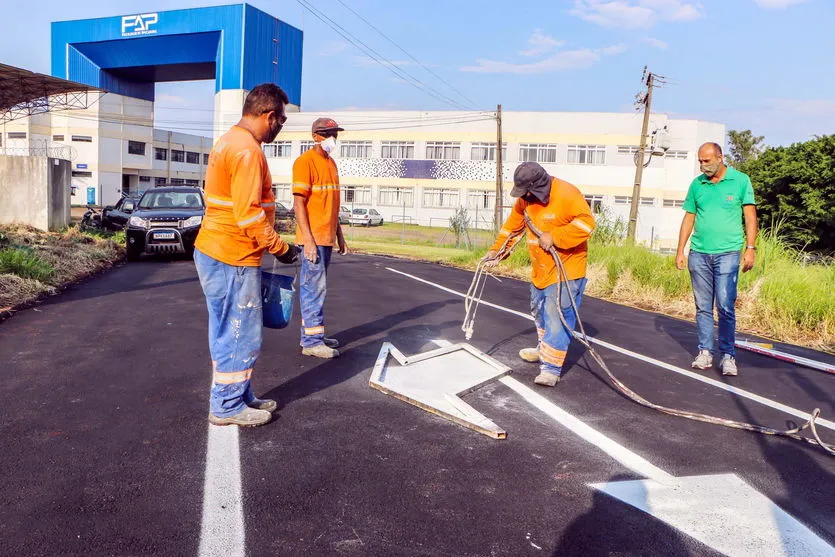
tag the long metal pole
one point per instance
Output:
(639, 171)
(499, 195)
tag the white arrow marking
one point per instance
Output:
(721, 511)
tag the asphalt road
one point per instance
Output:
(104, 428)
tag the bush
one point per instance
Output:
(25, 263)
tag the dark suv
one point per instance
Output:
(166, 220)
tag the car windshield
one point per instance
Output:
(360, 211)
(171, 200)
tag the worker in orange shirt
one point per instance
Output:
(237, 229)
(316, 204)
(558, 210)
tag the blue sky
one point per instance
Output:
(764, 65)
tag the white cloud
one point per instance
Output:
(541, 43)
(656, 43)
(563, 60)
(333, 47)
(634, 14)
(778, 4)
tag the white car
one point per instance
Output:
(366, 217)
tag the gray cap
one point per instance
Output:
(529, 176)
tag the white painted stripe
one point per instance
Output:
(712, 382)
(222, 529)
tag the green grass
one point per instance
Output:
(25, 263)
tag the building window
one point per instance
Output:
(16, 135)
(673, 203)
(538, 152)
(283, 192)
(136, 148)
(160, 154)
(159, 181)
(586, 154)
(355, 149)
(398, 150)
(628, 149)
(57, 138)
(396, 197)
(647, 202)
(82, 138)
(278, 150)
(307, 145)
(178, 181)
(82, 174)
(481, 200)
(595, 202)
(192, 157)
(443, 150)
(440, 197)
(486, 152)
(623, 200)
(192, 182)
(178, 156)
(679, 155)
(205, 158)
(358, 195)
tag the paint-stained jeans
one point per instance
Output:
(312, 290)
(714, 278)
(233, 296)
(553, 336)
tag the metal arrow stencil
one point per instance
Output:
(435, 380)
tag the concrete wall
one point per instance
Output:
(35, 191)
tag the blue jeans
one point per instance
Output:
(312, 290)
(553, 336)
(233, 296)
(714, 278)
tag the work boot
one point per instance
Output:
(547, 379)
(331, 342)
(263, 404)
(728, 365)
(529, 354)
(248, 417)
(704, 360)
(320, 351)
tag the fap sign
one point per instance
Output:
(140, 24)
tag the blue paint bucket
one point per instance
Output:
(277, 297)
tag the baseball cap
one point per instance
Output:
(326, 125)
(529, 177)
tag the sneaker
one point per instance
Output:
(529, 354)
(263, 404)
(728, 365)
(320, 351)
(331, 342)
(547, 379)
(704, 360)
(248, 417)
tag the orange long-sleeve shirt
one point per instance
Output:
(240, 205)
(569, 220)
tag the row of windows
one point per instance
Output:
(177, 155)
(648, 201)
(76, 138)
(669, 154)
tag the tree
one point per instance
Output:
(797, 184)
(744, 147)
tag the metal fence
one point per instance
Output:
(37, 148)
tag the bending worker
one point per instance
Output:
(558, 210)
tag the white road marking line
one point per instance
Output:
(222, 530)
(714, 383)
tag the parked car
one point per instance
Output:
(115, 217)
(366, 217)
(344, 215)
(165, 220)
(282, 212)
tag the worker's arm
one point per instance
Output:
(514, 224)
(302, 188)
(340, 240)
(750, 213)
(576, 231)
(247, 181)
(683, 235)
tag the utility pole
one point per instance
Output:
(499, 173)
(645, 99)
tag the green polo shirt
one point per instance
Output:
(718, 210)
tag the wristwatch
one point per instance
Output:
(751, 247)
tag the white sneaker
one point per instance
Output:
(728, 365)
(320, 351)
(704, 360)
(529, 354)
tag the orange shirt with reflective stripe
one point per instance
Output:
(316, 179)
(569, 220)
(240, 205)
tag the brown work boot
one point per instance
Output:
(321, 351)
(263, 404)
(529, 354)
(248, 417)
(547, 379)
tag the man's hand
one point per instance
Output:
(343, 247)
(681, 261)
(747, 260)
(546, 241)
(311, 252)
(291, 255)
(490, 260)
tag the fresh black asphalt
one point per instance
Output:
(104, 431)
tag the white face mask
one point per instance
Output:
(329, 145)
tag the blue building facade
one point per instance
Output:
(238, 46)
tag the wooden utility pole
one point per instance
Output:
(639, 170)
(499, 196)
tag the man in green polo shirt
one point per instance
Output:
(715, 203)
